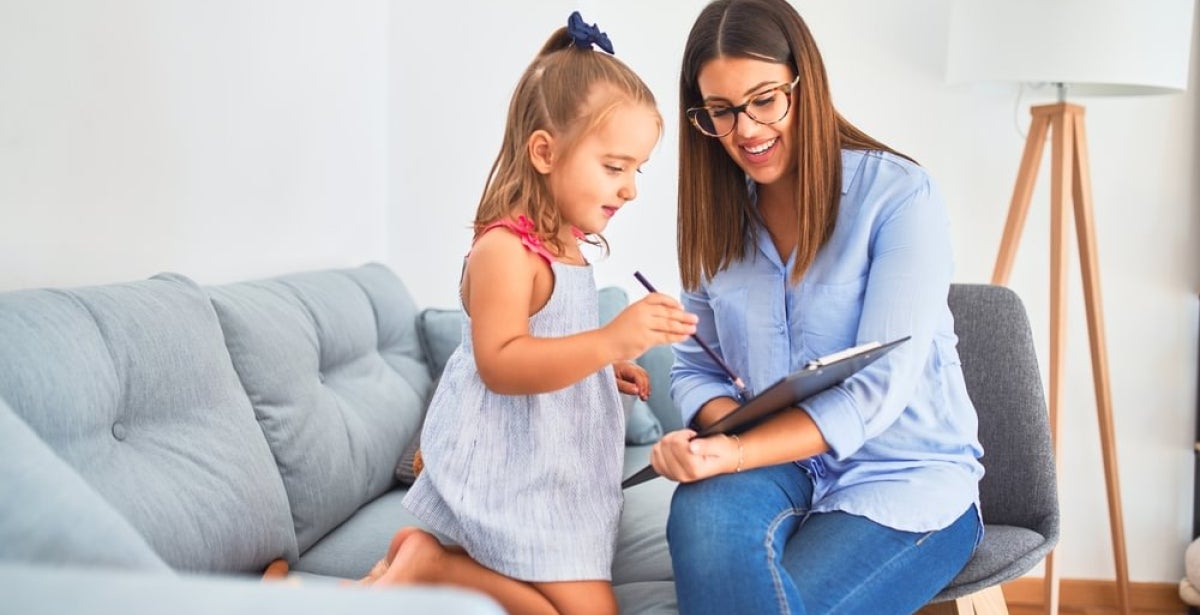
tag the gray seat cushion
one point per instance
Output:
(350, 550)
(131, 385)
(647, 598)
(51, 516)
(1002, 546)
(642, 553)
(333, 367)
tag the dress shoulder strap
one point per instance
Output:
(523, 228)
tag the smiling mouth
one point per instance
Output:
(609, 210)
(761, 148)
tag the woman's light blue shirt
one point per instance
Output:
(902, 433)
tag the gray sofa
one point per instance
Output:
(161, 443)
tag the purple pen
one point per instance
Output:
(737, 382)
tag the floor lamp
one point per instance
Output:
(1082, 48)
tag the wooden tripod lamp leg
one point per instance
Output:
(1060, 185)
(1090, 269)
(1022, 193)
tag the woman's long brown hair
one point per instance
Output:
(715, 213)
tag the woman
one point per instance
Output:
(799, 235)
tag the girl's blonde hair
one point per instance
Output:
(568, 91)
(715, 213)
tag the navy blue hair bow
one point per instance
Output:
(586, 35)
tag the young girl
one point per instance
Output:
(523, 441)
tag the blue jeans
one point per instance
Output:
(746, 543)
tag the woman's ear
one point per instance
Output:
(541, 151)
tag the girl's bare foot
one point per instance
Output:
(398, 539)
(382, 565)
(417, 560)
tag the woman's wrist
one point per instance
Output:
(741, 453)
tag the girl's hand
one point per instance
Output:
(682, 457)
(632, 379)
(653, 320)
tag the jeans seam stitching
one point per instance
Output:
(834, 608)
(768, 542)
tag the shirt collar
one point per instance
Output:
(851, 162)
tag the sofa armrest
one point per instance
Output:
(37, 590)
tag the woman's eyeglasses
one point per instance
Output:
(766, 107)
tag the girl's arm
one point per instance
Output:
(505, 283)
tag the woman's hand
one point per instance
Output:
(632, 379)
(682, 457)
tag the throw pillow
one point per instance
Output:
(440, 331)
(641, 426)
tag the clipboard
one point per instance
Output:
(816, 376)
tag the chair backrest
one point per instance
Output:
(1001, 371)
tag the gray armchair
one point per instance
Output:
(1018, 493)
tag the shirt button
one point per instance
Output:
(118, 431)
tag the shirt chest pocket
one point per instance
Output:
(829, 315)
(730, 318)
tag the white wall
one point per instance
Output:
(235, 139)
(886, 61)
(222, 139)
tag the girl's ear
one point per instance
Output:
(541, 151)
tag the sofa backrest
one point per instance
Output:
(131, 385)
(333, 367)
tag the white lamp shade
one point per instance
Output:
(1095, 47)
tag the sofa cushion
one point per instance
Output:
(355, 546)
(333, 367)
(642, 553)
(52, 516)
(131, 385)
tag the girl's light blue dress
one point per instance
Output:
(529, 485)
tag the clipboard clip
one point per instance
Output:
(832, 358)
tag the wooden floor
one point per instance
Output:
(1093, 597)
